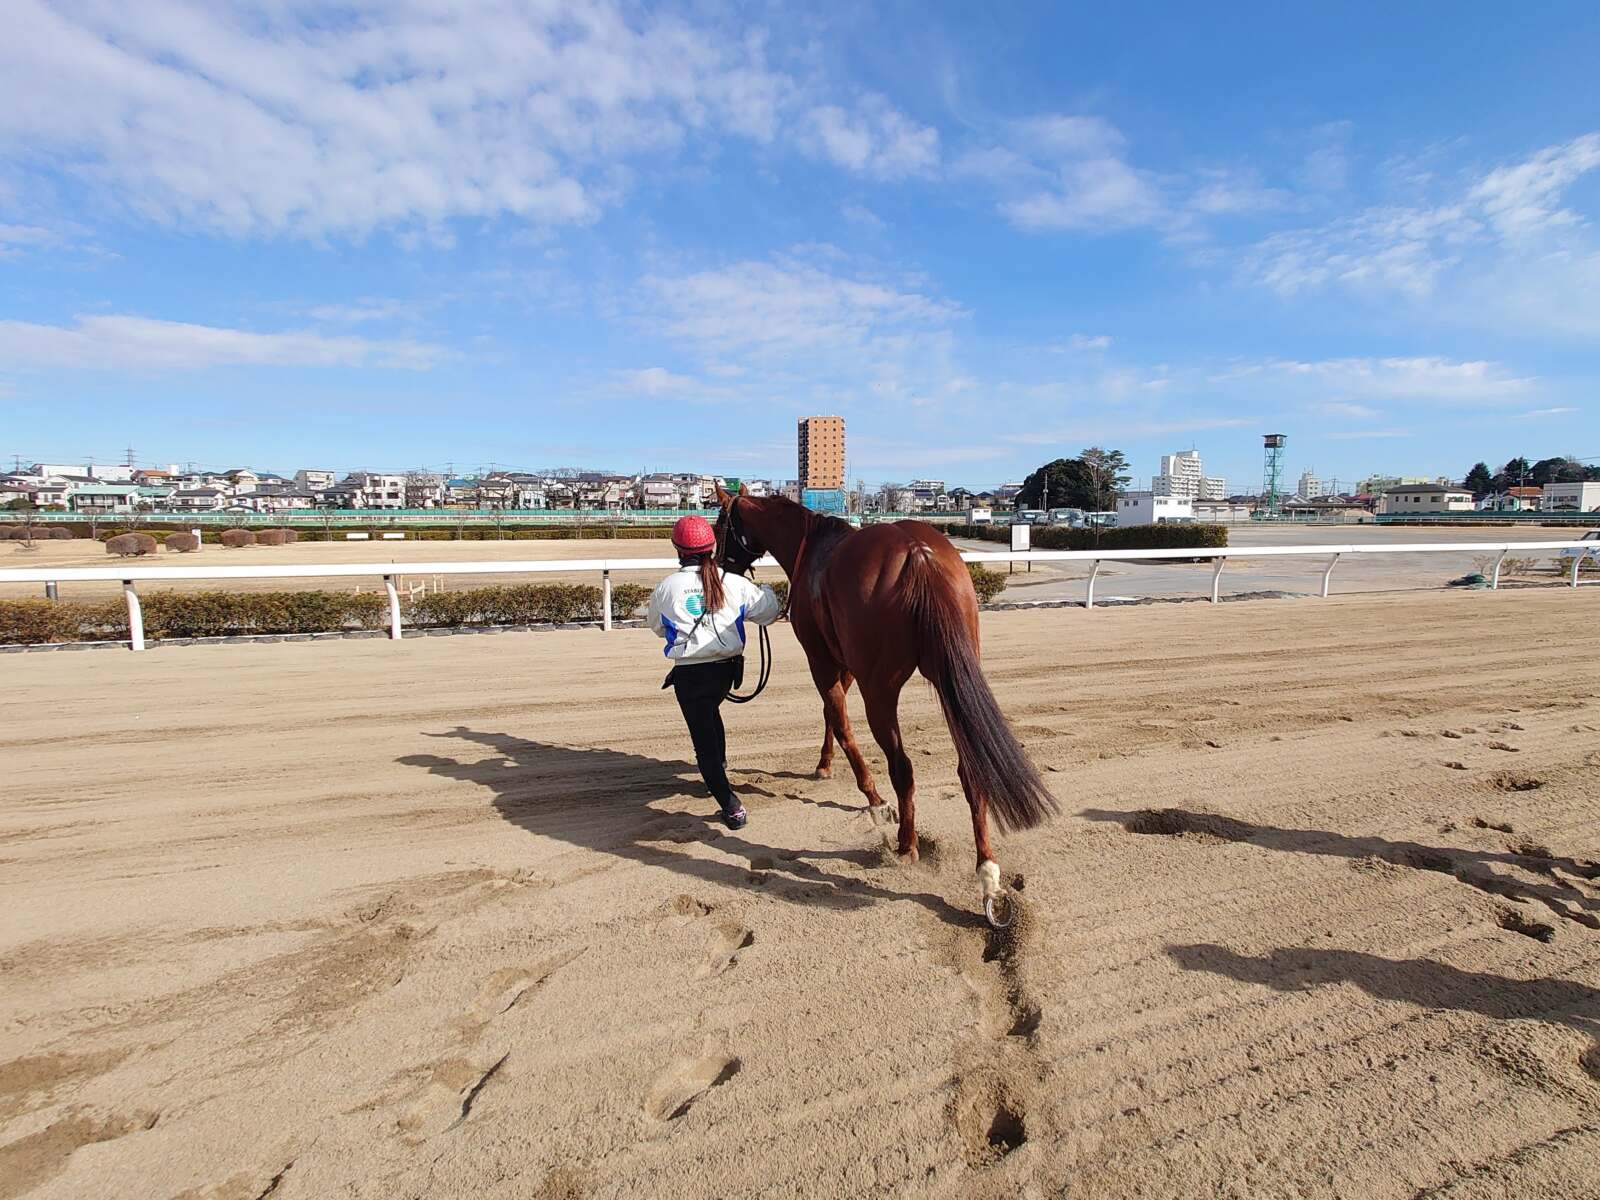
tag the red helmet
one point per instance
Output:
(694, 535)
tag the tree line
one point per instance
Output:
(1519, 472)
(1090, 482)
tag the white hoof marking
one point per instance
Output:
(989, 879)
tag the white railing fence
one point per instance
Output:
(130, 576)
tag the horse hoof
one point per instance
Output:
(824, 772)
(1007, 905)
(909, 856)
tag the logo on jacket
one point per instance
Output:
(695, 603)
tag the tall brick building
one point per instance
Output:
(821, 452)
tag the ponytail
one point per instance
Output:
(711, 583)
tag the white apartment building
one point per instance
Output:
(1310, 486)
(1583, 497)
(314, 480)
(1183, 477)
(1147, 508)
(1425, 498)
(377, 491)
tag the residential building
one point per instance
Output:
(928, 495)
(311, 480)
(373, 490)
(1183, 476)
(424, 490)
(821, 452)
(1425, 499)
(1220, 512)
(1570, 497)
(196, 500)
(1513, 499)
(104, 497)
(1147, 508)
(1310, 486)
(44, 470)
(657, 491)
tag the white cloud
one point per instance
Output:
(1080, 343)
(1114, 426)
(860, 214)
(875, 139)
(1422, 378)
(788, 306)
(658, 381)
(369, 308)
(1098, 194)
(1327, 164)
(290, 117)
(1521, 199)
(127, 343)
(16, 238)
(1537, 413)
(1340, 408)
(1225, 193)
(1509, 248)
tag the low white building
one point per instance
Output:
(1147, 508)
(1579, 497)
(1425, 499)
(196, 500)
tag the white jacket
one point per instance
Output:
(677, 613)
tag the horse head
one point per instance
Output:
(737, 547)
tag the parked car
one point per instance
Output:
(1030, 516)
(1592, 535)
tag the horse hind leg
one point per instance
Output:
(990, 892)
(884, 717)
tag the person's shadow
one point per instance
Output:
(605, 800)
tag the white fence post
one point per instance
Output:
(394, 607)
(1216, 580)
(1328, 574)
(135, 616)
(605, 600)
(50, 592)
(1494, 583)
(1576, 563)
(1088, 601)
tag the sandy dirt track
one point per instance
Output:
(444, 918)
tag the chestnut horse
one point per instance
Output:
(874, 605)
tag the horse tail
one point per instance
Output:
(995, 763)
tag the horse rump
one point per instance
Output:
(996, 765)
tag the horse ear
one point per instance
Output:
(722, 496)
(744, 489)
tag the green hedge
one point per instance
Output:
(28, 622)
(525, 604)
(1134, 537)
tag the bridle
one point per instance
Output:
(735, 551)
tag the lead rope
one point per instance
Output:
(765, 640)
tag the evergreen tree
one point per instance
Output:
(1479, 481)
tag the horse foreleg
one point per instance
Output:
(825, 759)
(883, 705)
(838, 720)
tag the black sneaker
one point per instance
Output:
(736, 819)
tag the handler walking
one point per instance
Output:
(701, 611)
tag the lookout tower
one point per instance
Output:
(1272, 475)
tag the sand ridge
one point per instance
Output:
(446, 918)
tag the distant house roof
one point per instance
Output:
(1424, 487)
(1531, 492)
(197, 492)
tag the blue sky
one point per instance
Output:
(429, 233)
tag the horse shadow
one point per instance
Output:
(607, 800)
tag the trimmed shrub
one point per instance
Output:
(5, 531)
(29, 622)
(1134, 537)
(56, 533)
(628, 598)
(290, 536)
(19, 534)
(182, 543)
(988, 584)
(128, 544)
(236, 538)
(270, 537)
(226, 614)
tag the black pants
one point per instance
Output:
(700, 688)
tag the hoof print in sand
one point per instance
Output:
(449, 1098)
(681, 1086)
(726, 942)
